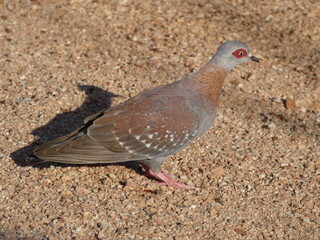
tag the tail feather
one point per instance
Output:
(76, 148)
(71, 136)
(34, 160)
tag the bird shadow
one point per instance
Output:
(96, 100)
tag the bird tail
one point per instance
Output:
(36, 157)
(76, 148)
(34, 160)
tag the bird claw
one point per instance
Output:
(166, 179)
(176, 185)
(149, 175)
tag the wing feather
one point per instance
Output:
(139, 129)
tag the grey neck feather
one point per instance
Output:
(222, 62)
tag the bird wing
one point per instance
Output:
(146, 128)
(141, 128)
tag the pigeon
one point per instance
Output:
(153, 125)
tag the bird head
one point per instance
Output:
(232, 53)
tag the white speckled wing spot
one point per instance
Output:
(137, 137)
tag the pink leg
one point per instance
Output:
(163, 177)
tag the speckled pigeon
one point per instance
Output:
(153, 125)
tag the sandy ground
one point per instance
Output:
(256, 171)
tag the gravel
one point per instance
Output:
(256, 171)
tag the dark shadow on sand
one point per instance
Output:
(64, 123)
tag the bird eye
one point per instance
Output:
(240, 53)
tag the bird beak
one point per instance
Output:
(255, 59)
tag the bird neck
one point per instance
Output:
(206, 84)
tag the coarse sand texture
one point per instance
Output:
(255, 172)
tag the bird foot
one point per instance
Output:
(149, 175)
(164, 178)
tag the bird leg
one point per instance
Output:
(164, 178)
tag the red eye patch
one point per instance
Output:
(239, 53)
